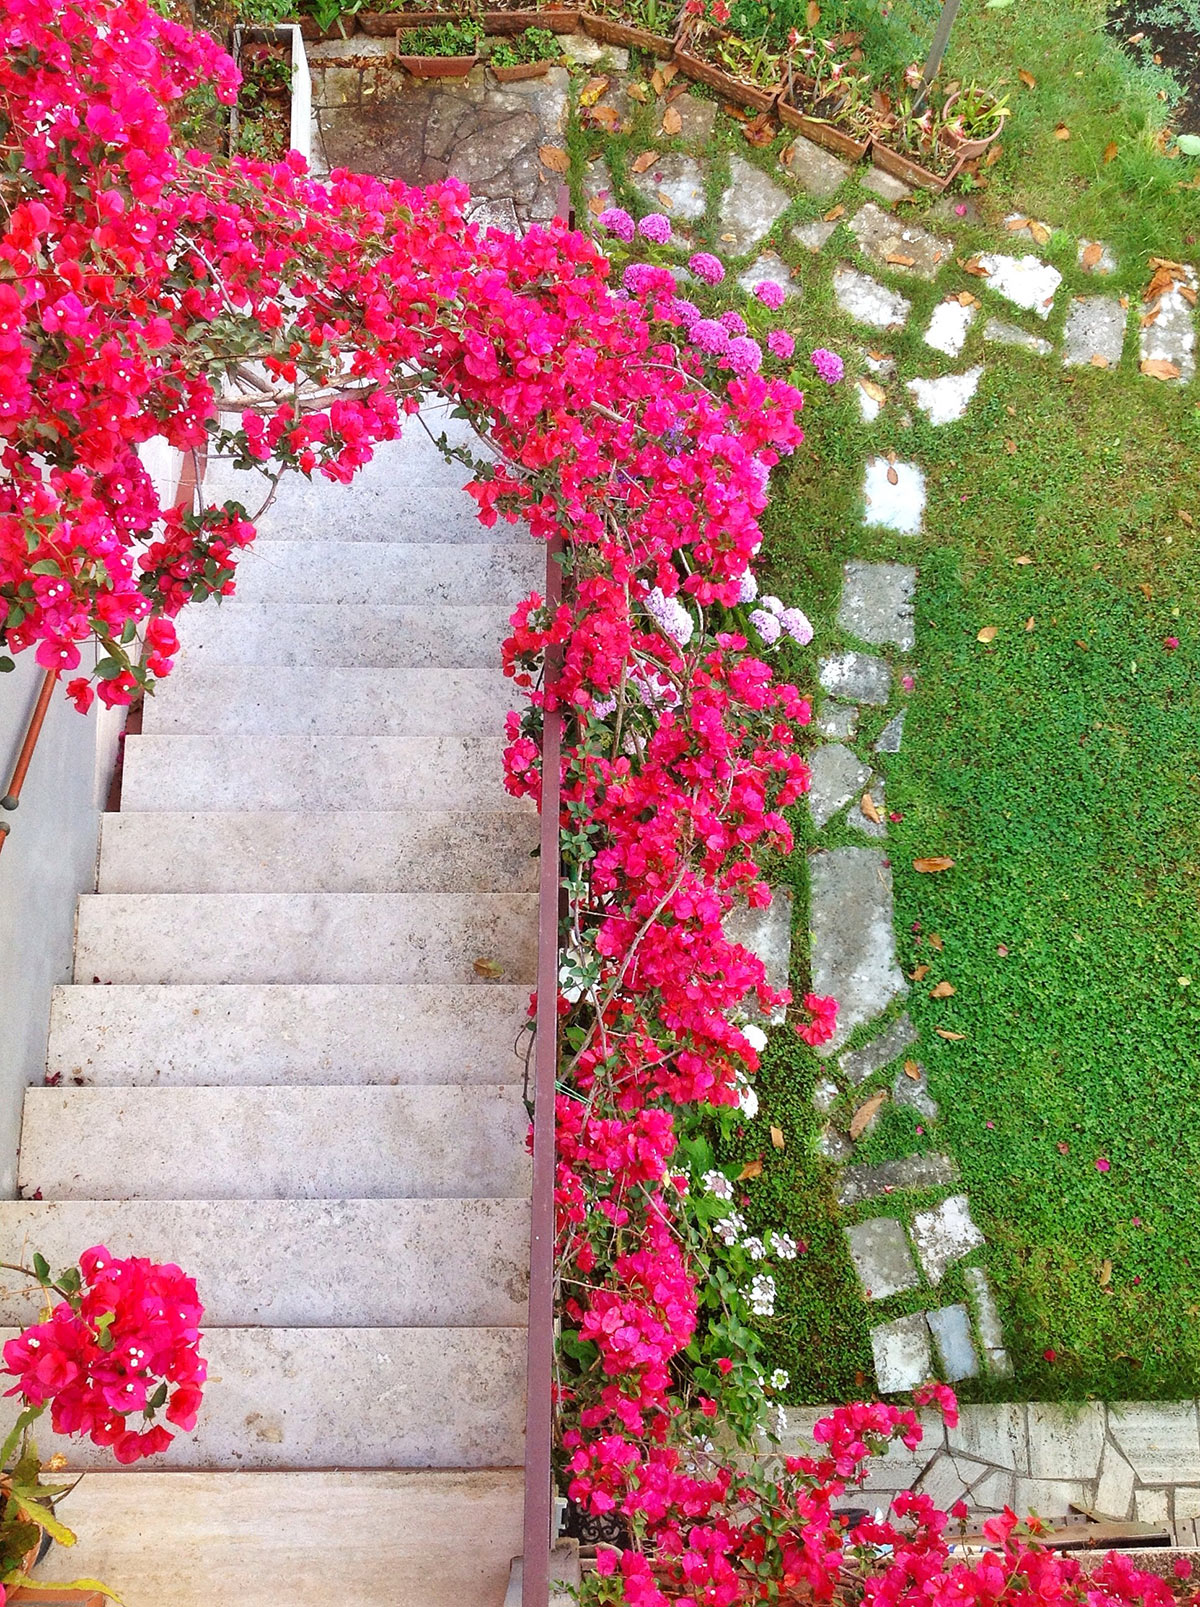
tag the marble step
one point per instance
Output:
(262, 1035)
(386, 770)
(428, 1142)
(347, 852)
(210, 699)
(305, 937)
(344, 1398)
(362, 635)
(298, 1263)
(367, 1539)
(374, 571)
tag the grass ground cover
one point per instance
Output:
(1058, 765)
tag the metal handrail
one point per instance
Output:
(538, 1542)
(33, 731)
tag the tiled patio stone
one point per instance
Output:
(1094, 333)
(814, 234)
(825, 1096)
(1065, 1441)
(1051, 1498)
(867, 301)
(994, 1492)
(1187, 1501)
(874, 1182)
(853, 952)
(897, 246)
(835, 1146)
(951, 1330)
(1004, 334)
(913, 1093)
(750, 206)
(987, 1319)
(817, 171)
(892, 734)
(947, 398)
(942, 1481)
(992, 1433)
(898, 505)
(1160, 1440)
(837, 776)
(877, 604)
(859, 1064)
(1152, 1506)
(1114, 1492)
(884, 185)
(698, 118)
(674, 185)
(588, 52)
(948, 326)
(1172, 335)
(902, 1356)
(857, 677)
(881, 1257)
(944, 1235)
(1027, 282)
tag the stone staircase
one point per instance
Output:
(282, 1067)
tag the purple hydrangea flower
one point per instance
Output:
(772, 605)
(655, 226)
(687, 312)
(708, 335)
(732, 322)
(747, 587)
(744, 356)
(780, 344)
(829, 365)
(796, 624)
(706, 267)
(671, 617)
(767, 626)
(770, 294)
(617, 221)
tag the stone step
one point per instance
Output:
(362, 771)
(427, 1539)
(345, 1398)
(350, 852)
(208, 699)
(188, 1036)
(366, 635)
(373, 1263)
(305, 937)
(432, 1142)
(374, 571)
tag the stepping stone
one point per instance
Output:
(1172, 335)
(1019, 227)
(892, 734)
(817, 171)
(825, 1096)
(884, 366)
(853, 943)
(859, 1064)
(885, 185)
(857, 677)
(899, 506)
(869, 406)
(496, 214)
(598, 185)
(1094, 332)
(1004, 334)
(767, 933)
(750, 207)
(913, 1093)
(946, 399)
(948, 327)
(951, 1330)
(882, 1257)
(674, 185)
(867, 301)
(902, 248)
(1027, 282)
(698, 118)
(588, 52)
(944, 1235)
(837, 721)
(837, 776)
(876, 604)
(1094, 256)
(987, 1321)
(813, 236)
(772, 268)
(862, 822)
(833, 1145)
(858, 1183)
(902, 1355)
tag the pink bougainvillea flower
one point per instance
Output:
(1171, 643)
(1050, 1355)
(1103, 1164)
(907, 682)
(960, 210)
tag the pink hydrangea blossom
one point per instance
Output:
(707, 268)
(744, 355)
(781, 344)
(656, 227)
(617, 222)
(732, 322)
(828, 365)
(770, 294)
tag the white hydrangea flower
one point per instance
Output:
(755, 1248)
(747, 1098)
(755, 1037)
(797, 625)
(730, 1228)
(779, 1379)
(767, 626)
(717, 1183)
(784, 1246)
(773, 605)
(761, 1294)
(748, 589)
(670, 616)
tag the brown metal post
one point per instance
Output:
(535, 1579)
(32, 732)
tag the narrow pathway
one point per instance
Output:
(287, 1064)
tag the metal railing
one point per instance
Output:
(538, 1541)
(33, 731)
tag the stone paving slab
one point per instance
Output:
(853, 945)
(996, 1434)
(884, 185)
(867, 301)
(859, 1064)
(750, 207)
(697, 118)
(875, 1182)
(902, 1354)
(1114, 1490)
(877, 604)
(1027, 282)
(1161, 1440)
(882, 1257)
(948, 327)
(1067, 1440)
(892, 734)
(898, 506)
(674, 185)
(814, 235)
(1094, 333)
(944, 1235)
(946, 399)
(769, 268)
(987, 1319)
(837, 721)
(1172, 335)
(951, 1330)
(1005, 334)
(913, 1092)
(857, 677)
(837, 776)
(819, 172)
(899, 247)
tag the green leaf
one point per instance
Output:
(109, 668)
(43, 1515)
(45, 566)
(41, 1268)
(67, 1584)
(6, 664)
(28, 1416)
(1189, 144)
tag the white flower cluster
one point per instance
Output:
(729, 1228)
(784, 1246)
(717, 1183)
(761, 1294)
(747, 1098)
(755, 1248)
(671, 617)
(779, 1379)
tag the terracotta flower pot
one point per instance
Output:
(824, 133)
(404, 21)
(522, 70)
(724, 83)
(968, 148)
(912, 171)
(437, 66)
(623, 33)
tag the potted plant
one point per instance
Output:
(526, 55)
(96, 1341)
(972, 119)
(647, 25)
(827, 100)
(907, 140)
(448, 50)
(328, 19)
(744, 70)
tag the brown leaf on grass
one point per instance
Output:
(1159, 368)
(1062, 132)
(918, 973)
(606, 117)
(966, 299)
(862, 1116)
(834, 213)
(1099, 360)
(777, 1137)
(1146, 591)
(1030, 623)
(892, 476)
(950, 1037)
(1092, 254)
(944, 990)
(645, 160)
(1104, 1275)
(936, 942)
(900, 259)
(657, 82)
(913, 1070)
(988, 633)
(758, 133)
(1015, 223)
(1187, 518)
(1023, 559)
(751, 1169)
(1110, 150)
(593, 90)
(1039, 231)
(869, 809)
(932, 864)
(813, 14)
(992, 156)
(554, 157)
(596, 205)
(488, 969)
(875, 391)
(638, 92)
(728, 238)
(976, 268)
(672, 121)
(1026, 78)
(1011, 448)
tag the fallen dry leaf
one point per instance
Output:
(554, 157)
(728, 237)
(1030, 623)
(669, 71)
(1062, 1148)
(900, 259)
(1105, 1274)
(988, 633)
(834, 213)
(488, 969)
(952, 1037)
(751, 1169)
(1026, 78)
(975, 267)
(1188, 294)
(1040, 232)
(813, 15)
(777, 1137)
(1110, 150)
(1011, 448)
(1023, 559)
(874, 391)
(944, 990)
(1187, 518)
(936, 942)
(593, 90)
(932, 865)
(1092, 254)
(966, 299)
(1150, 317)
(869, 809)
(1015, 223)
(645, 160)
(760, 132)
(606, 117)
(638, 92)
(1146, 591)
(1099, 360)
(657, 82)
(892, 477)
(1159, 368)
(672, 122)
(913, 1070)
(862, 1116)
(1062, 132)
(919, 973)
